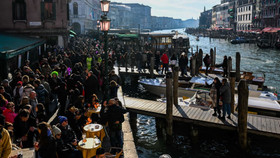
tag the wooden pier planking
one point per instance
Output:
(261, 125)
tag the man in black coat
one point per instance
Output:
(91, 85)
(113, 114)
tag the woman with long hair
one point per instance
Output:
(47, 146)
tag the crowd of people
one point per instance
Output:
(73, 80)
(70, 80)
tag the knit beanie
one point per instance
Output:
(54, 72)
(55, 130)
(62, 119)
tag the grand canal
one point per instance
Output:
(212, 142)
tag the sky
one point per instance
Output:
(182, 9)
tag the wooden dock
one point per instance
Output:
(257, 124)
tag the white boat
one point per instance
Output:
(263, 103)
(158, 86)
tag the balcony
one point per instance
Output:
(268, 16)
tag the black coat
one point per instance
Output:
(114, 113)
(67, 134)
(91, 86)
(48, 150)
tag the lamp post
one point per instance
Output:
(105, 26)
(98, 28)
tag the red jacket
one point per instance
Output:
(164, 59)
(9, 115)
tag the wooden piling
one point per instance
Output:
(169, 107)
(243, 94)
(214, 56)
(193, 63)
(238, 58)
(152, 65)
(192, 50)
(196, 48)
(175, 85)
(200, 56)
(229, 67)
(160, 127)
(232, 89)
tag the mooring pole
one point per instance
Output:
(238, 58)
(152, 65)
(169, 107)
(229, 67)
(243, 94)
(232, 89)
(175, 85)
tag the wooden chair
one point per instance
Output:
(112, 154)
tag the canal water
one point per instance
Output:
(211, 142)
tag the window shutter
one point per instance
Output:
(54, 11)
(42, 11)
(14, 10)
(24, 11)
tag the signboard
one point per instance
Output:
(35, 23)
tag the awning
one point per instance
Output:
(127, 35)
(13, 45)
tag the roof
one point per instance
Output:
(13, 45)
(156, 34)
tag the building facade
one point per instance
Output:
(120, 16)
(84, 15)
(244, 15)
(270, 13)
(47, 19)
(205, 19)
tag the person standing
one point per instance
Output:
(139, 61)
(114, 116)
(157, 58)
(165, 61)
(225, 65)
(5, 139)
(47, 145)
(182, 64)
(226, 98)
(207, 62)
(215, 96)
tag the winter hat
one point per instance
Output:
(6, 81)
(56, 130)
(62, 119)
(54, 72)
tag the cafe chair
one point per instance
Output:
(114, 152)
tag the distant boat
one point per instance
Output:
(239, 40)
(197, 38)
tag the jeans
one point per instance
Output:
(226, 109)
(165, 66)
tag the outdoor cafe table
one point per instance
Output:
(92, 130)
(93, 110)
(89, 147)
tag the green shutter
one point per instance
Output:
(54, 11)
(42, 11)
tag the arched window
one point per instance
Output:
(19, 10)
(75, 8)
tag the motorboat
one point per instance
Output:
(239, 40)
(186, 88)
(262, 103)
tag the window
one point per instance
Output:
(75, 8)
(249, 17)
(19, 10)
(48, 10)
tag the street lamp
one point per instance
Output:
(105, 4)
(105, 26)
